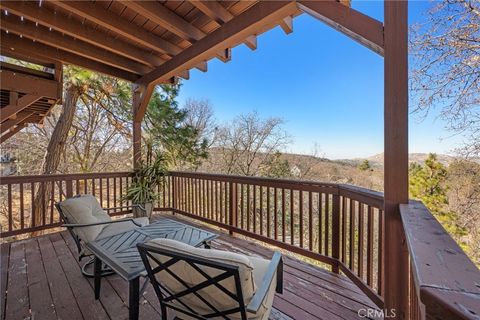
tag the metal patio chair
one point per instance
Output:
(196, 283)
(87, 221)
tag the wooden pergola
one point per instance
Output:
(153, 42)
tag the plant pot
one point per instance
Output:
(139, 212)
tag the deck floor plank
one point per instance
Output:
(310, 292)
(90, 308)
(66, 306)
(109, 298)
(17, 304)
(4, 257)
(41, 302)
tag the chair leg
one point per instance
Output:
(105, 271)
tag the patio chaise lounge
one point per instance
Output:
(87, 221)
(196, 283)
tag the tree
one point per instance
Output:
(428, 184)
(276, 167)
(445, 54)
(246, 144)
(365, 165)
(167, 131)
(464, 198)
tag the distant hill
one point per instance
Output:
(414, 157)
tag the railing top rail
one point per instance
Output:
(371, 197)
(250, 179)
(448, 282)
(55, 177)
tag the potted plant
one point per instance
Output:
(144, 188)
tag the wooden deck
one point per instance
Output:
(41, 279)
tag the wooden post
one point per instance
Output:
(396, 155)
(335, 230)
(137, 127)
(233, 205)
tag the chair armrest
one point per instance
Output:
(80, 225)
(125, 207)
(275, 266)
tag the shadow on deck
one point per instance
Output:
(41, 279)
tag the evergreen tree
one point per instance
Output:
(365, 165)
(167, 131)
(428, 184)
(276, 167)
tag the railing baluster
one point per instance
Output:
(292, 218)
(283, 215)
(310, 221)
(300, 210)
(10, 213)
(254, 217)
(32, 193)
(328, 215)
(268, 212)
(351, 251)
(380, 253)
(242, 217)
(321, 232)
(52, 200)
(22, 213)
(261, 209)
(275, 211)
(360, 239)
(344, 230)
(336, 231)
(370, 235)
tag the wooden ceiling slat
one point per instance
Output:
(28, 48)
(58, 21)
(55, 39)
(166, 18)
(221, 15)
(119, 25)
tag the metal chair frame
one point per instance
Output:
(70, 227)
(227, 271)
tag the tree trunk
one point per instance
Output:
(55, 148)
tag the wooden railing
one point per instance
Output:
(443, 282)
(338, 225)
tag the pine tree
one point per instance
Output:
(166, 131)
(428, 184)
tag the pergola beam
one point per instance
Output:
(220, 14)
(361, 28)
(22, 103)
(10, 123)
(54, 39)
(31, 11)
(15, 81)
(117, 24)
(12, 132)
(232, 32)
(13, 43)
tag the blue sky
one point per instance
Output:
(327, 88)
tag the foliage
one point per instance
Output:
(428, 184)
(166, 130)
(246, 143)
(276, 167)
(464, 198)
(148, 176)
(445, 52)
(365, 165)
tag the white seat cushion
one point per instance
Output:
(192, 277)
(85, 209)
